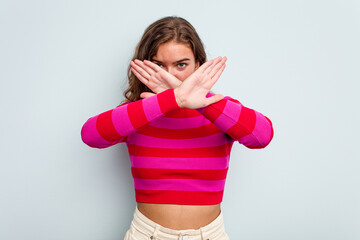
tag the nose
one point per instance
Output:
(171, 70)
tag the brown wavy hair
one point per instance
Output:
(162, 31)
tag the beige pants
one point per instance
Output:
(142, 228)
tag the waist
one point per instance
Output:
(179, 217)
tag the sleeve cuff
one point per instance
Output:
(167, 101)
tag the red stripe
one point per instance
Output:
(123, 104)
(179, 197)
(136, 114)
(183, 113)
(105, 127)
(218, 151)
(213, 111)
(234, 100)
(245, 124)
(187, 133)
(167, 101)
(155, 173)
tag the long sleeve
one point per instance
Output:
(113, 126)
(245, 125)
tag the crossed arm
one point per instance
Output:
(249, 127)
(191, 93)
(243, 124)
(115, 125)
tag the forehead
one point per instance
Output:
(173, 51)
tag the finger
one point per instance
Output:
(169, 78)
(218, 73)
(218, 66)
(213, 99)
(143, 66)
(139, 69)
(146, 94)
(140, 77)
(215, 63)
(210, 83)
(203, 67)
(152, 65)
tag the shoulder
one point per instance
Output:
(124, 103)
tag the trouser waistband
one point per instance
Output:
(156, 231)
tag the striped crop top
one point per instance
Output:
(178, 155)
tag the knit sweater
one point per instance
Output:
(178, 155)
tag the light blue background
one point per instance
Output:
(295, 61)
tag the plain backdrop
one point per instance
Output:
(297, 62)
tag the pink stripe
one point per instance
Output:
(229, 116)
(151, 108)
(179, 184)
(120, 118)
(91, 136)
(180, 163)
(208, 141)
(180, 123)
(261, 134)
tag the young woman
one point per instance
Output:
(179, 135)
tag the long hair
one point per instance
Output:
(162, 31)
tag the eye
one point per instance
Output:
(182, 65)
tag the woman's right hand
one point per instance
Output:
(153, 76)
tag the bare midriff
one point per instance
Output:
(180, 217)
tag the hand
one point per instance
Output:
(153, 76)
(191, 93)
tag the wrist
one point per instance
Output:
(178, 98)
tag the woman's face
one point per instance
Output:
(177, 59)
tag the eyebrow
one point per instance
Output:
(181, 60)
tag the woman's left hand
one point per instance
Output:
(191, 93)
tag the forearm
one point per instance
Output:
(242, 124)
(115, 125)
